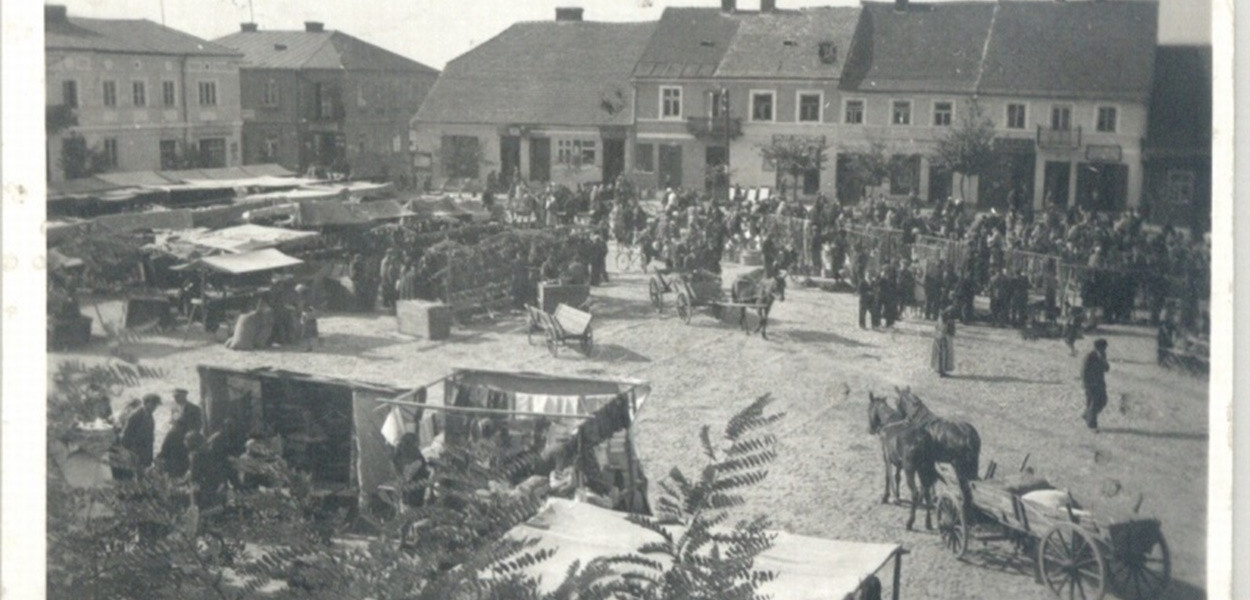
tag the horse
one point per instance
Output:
(760, 292)
(957, 442)
(904, 447)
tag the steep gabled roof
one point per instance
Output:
(688, 43)
(316, 50)
(137, 36)
(549, 72)
(924, 48)
(787, 43)
(1180, 100)
(1072, 49)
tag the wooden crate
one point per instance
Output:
(550, 296)
(429, 320)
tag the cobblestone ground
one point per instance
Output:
(1023, 396)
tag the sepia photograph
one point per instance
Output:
(653, 299)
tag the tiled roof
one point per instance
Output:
(1180, 100)
(787, 43)
(556, 73)
(138, 36)
(1072, 49)
(688, 42)
(316, 50)
(925, 48)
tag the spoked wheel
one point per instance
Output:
(624, 259)
(952, 525)
(1071, 564)
(588, 342)
(684, 310)
(657, 294)
(1143, 575)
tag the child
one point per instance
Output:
(1072, 327)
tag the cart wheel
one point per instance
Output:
(1071, 564)
(657, 296)
(529, 334)
(1144, 575)
(622, 260)
(553, 346)
(952, 525)
(588, 342)
(684, 309)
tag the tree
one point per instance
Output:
(967, 149)
(58, 118)
(78, 160)
(869, 168)
(796, 156)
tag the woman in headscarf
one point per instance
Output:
(943, 357)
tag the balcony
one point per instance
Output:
(1058, 139)
(713, 128)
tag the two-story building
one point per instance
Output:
(1065, 86)
(1178, 139)
(142, 96)
(324, 98)
(717, 86)
(547, 100)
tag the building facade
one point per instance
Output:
(546, 101)
(1178, 139)
(318, 98)
(137, 96)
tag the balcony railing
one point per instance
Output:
(1058, 138)
(713, 127)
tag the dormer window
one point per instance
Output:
(828, 53)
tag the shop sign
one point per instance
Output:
(1014, 145)
(1105, 153)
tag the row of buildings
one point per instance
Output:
(133, 95)
(1086, 107)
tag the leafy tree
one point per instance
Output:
(58, 118)
(967, 149)
(79, 160)
(795, 156)
(871, 167)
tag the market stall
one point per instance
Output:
(806, 568)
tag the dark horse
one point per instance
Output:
(904, 447)
(958, 443)
(758, 291)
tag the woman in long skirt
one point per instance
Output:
(943, 357)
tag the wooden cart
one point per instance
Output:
(1078, 555)
(566, 324)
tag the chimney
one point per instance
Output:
(767, 6)
(900, 5)
(314, 26)
(569, 13)
(728, 6)
(248, 27)
(55, 13)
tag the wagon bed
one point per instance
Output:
(1079, 555)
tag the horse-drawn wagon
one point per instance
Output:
(1078, 554)
(750, 292)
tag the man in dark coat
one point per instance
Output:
(933, 292)
(886, 297)
(138, 436)
(1093, 378)
(209, 470)
(190, 415)
(866, 300)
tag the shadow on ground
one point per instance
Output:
(1003, 379)
(809, 336)
(1165, 435)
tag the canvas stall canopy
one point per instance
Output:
(247, 238)
(257, 261)
(156, 219)
(330, 428)
(806, 568)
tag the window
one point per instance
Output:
(69, 93)
(762, 106)
(139, 93)
(670, 103)
(854, 112)
(110, 93)
(1106, 119)
(715, 104)
(1061, 118)
(644, 158)
(110, 153)
(900, 112)
(168, 94)
(575, 152)
(810, 104)
(1181, 186)
(1016, 116)
(327, 100)
(942, 113)
(271, 93)
(208, 93)
(169, 154)
(212, 152)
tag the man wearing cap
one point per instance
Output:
(191, 416)
(1093, 377)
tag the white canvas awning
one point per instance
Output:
(807, 568)
(247, 238)
(249, 262)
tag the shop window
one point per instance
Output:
(900, 112)
(644, 158)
